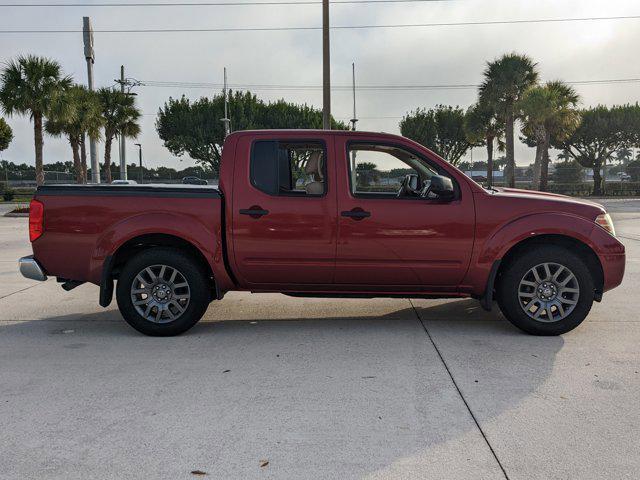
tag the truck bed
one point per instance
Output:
(84, 225)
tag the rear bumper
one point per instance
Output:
(30, 268)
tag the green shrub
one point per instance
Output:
(579, 189)
(568, 172)
(633, 170)
(623, 189)
(8, 195)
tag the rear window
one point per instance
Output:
(288, 168)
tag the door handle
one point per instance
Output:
(356, 214)
(254, 212)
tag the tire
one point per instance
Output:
(174, 302)
(519, 288)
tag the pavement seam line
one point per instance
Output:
(629, 238)
(13, 293)
(455, 384)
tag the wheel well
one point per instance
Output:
(143, 242)
(570, 243)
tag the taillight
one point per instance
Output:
(604, 220)
(36, 220)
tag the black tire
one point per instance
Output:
(190, 271)
(515, 270)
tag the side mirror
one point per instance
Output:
(442, 186)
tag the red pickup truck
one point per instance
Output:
(326, 214)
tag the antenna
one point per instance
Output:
(353, 79)
(226, 120)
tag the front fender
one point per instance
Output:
(499, 241)
(506, 236)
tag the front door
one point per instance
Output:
(390, 240)
(284, 212)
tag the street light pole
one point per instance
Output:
(140, 156)
(326, 68)
(226, 120)
(123, 144)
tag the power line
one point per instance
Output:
(335, 27)
(387, 87)
(211, 4)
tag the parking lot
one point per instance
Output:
(269, 386)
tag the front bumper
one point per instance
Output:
(30, 268)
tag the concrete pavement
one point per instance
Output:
(335, 389)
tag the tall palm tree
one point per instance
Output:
(505, 81)
(548, 111)
(78, 113)
(120, 118)
(483, 127)
(31, 85)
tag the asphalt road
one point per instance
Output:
(349, 389)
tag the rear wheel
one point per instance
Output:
(546, 291)
(162, 292)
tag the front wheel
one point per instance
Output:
(546, 291)
(162, 292)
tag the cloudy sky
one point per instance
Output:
(436, 55)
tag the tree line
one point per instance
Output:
(548, 115)
(13, 171)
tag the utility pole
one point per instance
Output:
(140, 157)
(87, 34)
(126, 84)
(226, 119)
(326, 68)
(353, 82)
(123, 147)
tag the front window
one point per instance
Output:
(387, 171)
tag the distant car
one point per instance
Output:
(624, 177)
(194, 181)
(479, 178)
(124, 182)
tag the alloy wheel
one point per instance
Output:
(160, 293)
(548, 292)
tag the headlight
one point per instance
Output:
(604, 220)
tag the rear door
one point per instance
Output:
(391, 243)
(284, 211)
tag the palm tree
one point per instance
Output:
(120, 118)
(505, 81)
(483, 127)
(548, 111)
(31, 85)
(77, 114)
